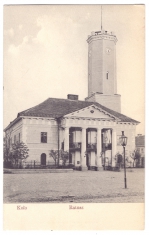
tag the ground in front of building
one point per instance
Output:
(75, 187)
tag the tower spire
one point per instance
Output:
(101, 17)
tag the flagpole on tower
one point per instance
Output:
(101, 17)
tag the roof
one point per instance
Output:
(140, 140)
(56, 108)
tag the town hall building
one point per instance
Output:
(86, 129)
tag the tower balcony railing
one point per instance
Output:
(75, 146)
(91, 146)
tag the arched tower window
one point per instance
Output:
(107, 74)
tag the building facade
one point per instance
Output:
(88, 129)
(140, 147)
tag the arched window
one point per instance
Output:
(43, 159)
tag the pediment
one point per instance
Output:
(92, 112)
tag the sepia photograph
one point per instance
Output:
(74, 105)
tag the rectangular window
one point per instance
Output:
(62, 145)
(19, 137)
(43, 137)
(14, 139)
(70, 158)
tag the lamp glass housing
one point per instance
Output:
(123, 139)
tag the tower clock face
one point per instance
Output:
(108, 50)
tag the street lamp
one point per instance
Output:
(123, 141)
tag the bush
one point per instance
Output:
(7, 164)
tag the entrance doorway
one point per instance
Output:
(87, 160)
(43, 159)
(70, 158)
(107, 147)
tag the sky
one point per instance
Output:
(46, 54)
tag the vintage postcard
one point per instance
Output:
(74, 129)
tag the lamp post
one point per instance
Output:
(123, 140)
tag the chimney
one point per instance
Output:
(72, 97)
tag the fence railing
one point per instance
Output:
(38, 165)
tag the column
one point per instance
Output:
(66, 140)
(77, 158)
(83, 150)
(114, 144)
(73, 158)
(93, 158)
(99, 150)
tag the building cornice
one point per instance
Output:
(89, 118)
(25, 117)
(12, 123)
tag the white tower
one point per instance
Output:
(102, 81)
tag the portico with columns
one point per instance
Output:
(87, 137)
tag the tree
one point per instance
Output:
(19, 152)
(54, 154)
(63, 155)
(6, 150)
(7, 146)
(135, 155)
